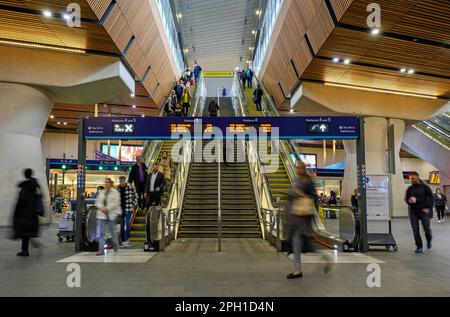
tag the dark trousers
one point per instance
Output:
(185, 109)
(440, 210)
(140, 189)
(25, 244)
(258, 105)
(415, 217)
(243, 82)
(125, 227)
(250, 82)
(154, 199)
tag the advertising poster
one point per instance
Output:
(377, 191)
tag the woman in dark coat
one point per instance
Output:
(26, 220)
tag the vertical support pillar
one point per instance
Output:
(361, 172)
(81, 171)
(324, 152)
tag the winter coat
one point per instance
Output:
(25, 219)
(110, 200)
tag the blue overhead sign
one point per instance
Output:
(164, 128)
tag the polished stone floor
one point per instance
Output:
(248, 267)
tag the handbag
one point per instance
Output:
(302, 206)
(39, 208)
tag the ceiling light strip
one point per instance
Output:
(42, 46)
(381, 90)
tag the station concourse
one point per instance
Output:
(224, 102)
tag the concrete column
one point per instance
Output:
(377, 161)
(24, 112)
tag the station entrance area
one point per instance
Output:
(230, 178)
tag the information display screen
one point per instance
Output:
(164, 128)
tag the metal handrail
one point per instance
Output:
(219, 204)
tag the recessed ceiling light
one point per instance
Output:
(291, 110)
(143, 116)
(52, 117)
(133, 95)
(253, 32)
(411, 71)
(58, 123)
(375, 31)
(65, 123)
(47, 14)
(133, 106)
(336, 60)
(403, 70)
(347, 61)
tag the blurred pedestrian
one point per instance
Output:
(301, 205)
(26, 213)
(108, 211)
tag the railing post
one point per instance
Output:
(278, 231)
(169, 224)
(219, 206)
(163, 231)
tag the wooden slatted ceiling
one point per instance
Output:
(427, 19)
(99, 7)
(303, 17)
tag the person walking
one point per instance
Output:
(440, 202)
(108, 210)
(244, 79)
(26, 213)
(301, 204)
(213, 108)
(138, 177)
(154, 188)
(197, 72)
(419, 197)
(128, 200)
(257, 97)
(249, 76)
(333, 198)
(187, 99)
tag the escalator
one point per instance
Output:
(137, 230)
(430, 141)
(238, 207)
(280, 182)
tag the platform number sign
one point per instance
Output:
(362, 176)
(80, 176)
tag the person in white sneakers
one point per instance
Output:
(108, 210)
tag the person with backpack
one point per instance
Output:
(26, 213)
(257, 97)
(213, 108)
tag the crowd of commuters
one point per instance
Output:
(116, 205)
(180, 99)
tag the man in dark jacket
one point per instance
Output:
(419, 197)
(138, 176)
(213, 108)
(257, 97)
(128, 200)
(154, 187)
(26, 220)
